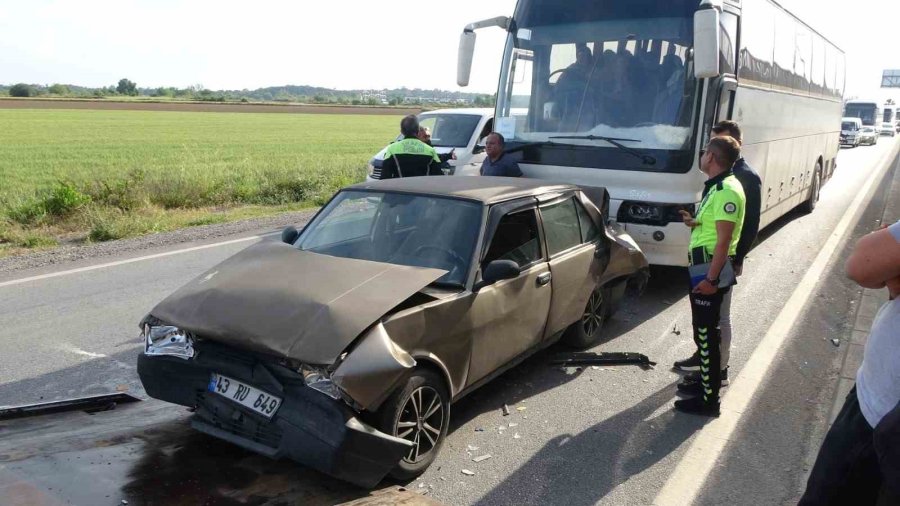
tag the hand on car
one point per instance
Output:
(706, 288)
(688, 219)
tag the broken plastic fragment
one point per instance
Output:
(836, 342)
(521, 408)
(467, 472)
(505, 410)
(516, 436)
(472, 448)
(481, 458)
(512, 424)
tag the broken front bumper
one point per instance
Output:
(309, 427)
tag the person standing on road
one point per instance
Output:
(425, 136)
(410, 156)
(715, 232)
(858, 462)
(752, 186)
(497, 162)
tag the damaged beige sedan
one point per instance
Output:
(343, 346)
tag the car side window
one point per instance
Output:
(561, 226)
(589, 230)
(516, 239)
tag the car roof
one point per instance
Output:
(484, 189)
(462, 110)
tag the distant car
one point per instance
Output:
(458, 130)
(868, 136)
(888, 129)
(342, 346)
(850, 131)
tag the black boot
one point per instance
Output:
(696, 406)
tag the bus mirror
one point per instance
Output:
(466, 52)
(706, 43)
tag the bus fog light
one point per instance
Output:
(659, 236)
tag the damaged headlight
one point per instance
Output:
(319, 379)
(166, 340)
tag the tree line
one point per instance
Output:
(291, 93)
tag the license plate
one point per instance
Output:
(250, 397)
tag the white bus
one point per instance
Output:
(869, 111)
(622, 94)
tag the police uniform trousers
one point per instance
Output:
(705, 315)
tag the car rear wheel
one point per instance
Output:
(418, 412)
(586, 332)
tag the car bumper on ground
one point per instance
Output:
(309, 427)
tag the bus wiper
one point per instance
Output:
(647, 159)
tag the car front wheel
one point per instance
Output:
(418, 412)
(586, 332)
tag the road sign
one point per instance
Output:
(891, 79)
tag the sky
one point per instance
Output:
(343, 44)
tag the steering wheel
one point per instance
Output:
(558, 71)
(458, 260)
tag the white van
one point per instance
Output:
(458, 130)
(850, 128)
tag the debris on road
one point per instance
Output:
(467, 472)
(608, 358)
(505, 410)
(472, 448)
(517, 436)
(676, 330)
(479, 429)
(836, 342)
(521, 408)
(595, 367)
(481, 458)
(512, 424)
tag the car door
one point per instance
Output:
(572, 240)
(509, 316)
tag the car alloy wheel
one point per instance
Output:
(419, 412)
(420, 423)
(594, 313)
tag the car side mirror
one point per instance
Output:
(499, 270)
(289, 235)
(478, 149)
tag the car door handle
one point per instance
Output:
(544, 279)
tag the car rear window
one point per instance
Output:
(561, 226)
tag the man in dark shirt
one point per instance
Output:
(497, 162)
(752, 185)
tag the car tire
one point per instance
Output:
(587, 331)
(423, 388)
(810, 205)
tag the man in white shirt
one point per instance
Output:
(854, 465)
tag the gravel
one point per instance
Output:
(126, 246)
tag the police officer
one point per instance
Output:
(716, 229)
(752, 185)
(410, 156)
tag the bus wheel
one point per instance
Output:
(810, 205)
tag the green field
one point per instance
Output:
(109, 174)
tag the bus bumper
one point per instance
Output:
(666, 245)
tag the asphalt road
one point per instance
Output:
(589, 436)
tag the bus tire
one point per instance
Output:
(814, 191)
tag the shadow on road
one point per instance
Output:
(582, 469)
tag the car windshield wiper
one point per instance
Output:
(647, 159)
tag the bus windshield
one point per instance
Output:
(614, 68)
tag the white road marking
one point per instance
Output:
(128, 261)
(79, 351)
(690, 475)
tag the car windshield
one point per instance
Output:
(396, 228)
(848, 126)
(450, 130)
(868, 129)
(611, 69)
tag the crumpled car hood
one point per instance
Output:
(276, 299)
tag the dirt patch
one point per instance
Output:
(104, 105)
